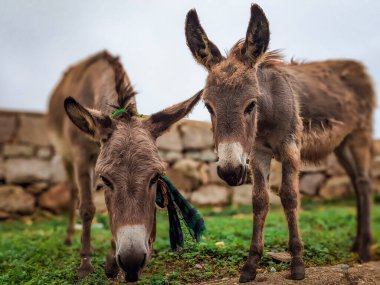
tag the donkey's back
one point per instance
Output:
(92, 83)
(336, 101)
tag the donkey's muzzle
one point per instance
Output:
(132, 250)
(234, 176)
(132, 265)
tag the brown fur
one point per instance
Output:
(118, 153)
(303, 111)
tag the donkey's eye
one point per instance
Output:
(250, 108)
(210, 110)
(106, 182)
(154, 180)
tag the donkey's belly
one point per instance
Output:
(316, 145)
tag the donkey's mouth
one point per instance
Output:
(131, 276)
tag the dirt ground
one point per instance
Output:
(368, 273)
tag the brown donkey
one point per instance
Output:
(263, 108)
(122, 151)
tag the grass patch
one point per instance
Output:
(33, 252)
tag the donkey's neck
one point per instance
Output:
(277, 104)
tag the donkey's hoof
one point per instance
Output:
(297, 273)
(68, 241)
(248, 273)
(85, 269)
(297, 269)
(364, 256)
(111, 268)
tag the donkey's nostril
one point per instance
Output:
(143, 262)
(219, 171)
(123, 266)
(232, 175)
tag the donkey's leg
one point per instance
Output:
(73, 201)
(86, 212)
(360, 146)
(289, 194)
(346, 159)
(260, 166)
(111, 268)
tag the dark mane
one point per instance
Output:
(123, 87)
(267, 59)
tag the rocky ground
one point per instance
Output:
(368, 274)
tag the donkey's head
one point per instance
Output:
(231, 91)
(128, 167)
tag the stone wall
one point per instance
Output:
(32, 178)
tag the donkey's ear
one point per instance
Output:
(95, 124)
(257, 38)
(161, 121)
(204, 51)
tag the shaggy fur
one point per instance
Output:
(120, 149)
(290, 112)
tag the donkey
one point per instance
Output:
(263, 108)
(119, 153)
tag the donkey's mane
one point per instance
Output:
(267, 59)
(124, 89)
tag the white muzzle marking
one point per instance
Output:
(231, 154)
(130, 238)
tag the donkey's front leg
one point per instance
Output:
(111, 268)
(260, 202)
(86, 212)
(289, 195)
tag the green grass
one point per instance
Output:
(33, 253)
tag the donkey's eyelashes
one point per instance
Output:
(154, 180)
(106, 182)
(248, 110)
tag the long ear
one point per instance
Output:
(95, 124)
(159, 122)
(257, 38)
(204, 51)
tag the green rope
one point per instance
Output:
(118, 112)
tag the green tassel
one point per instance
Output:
(118, 112)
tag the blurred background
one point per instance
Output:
(39, 39)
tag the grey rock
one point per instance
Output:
(170, 156)
(58, 172)
(333, 168)
(13, 199)
(170, 141)
(8, 124)
(275, 176)
(206, 155)
(272, 269)
(44, 152)
(212, 194)
(242, 195)
(336, 188)
(311, 182)
(55, 199)
(18, 150)
(22, 170)
(196, 135)
(33, 129)
(37, 188)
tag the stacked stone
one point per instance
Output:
(32, 175)
(29, 168)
